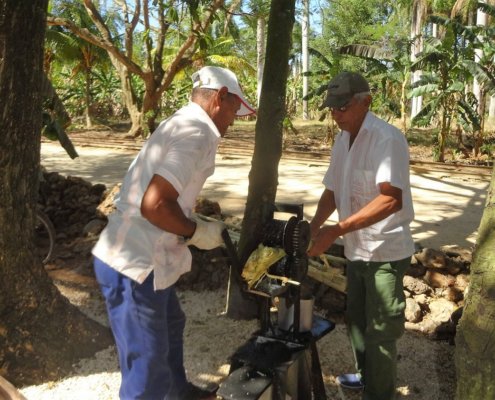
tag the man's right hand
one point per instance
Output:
(207, 235)
(324, 239)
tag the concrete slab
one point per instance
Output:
(448, 205)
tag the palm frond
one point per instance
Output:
(426, 114)
(367, 51)
(422, 90)
(455, 87)
(320, 57)
(486, 8)
(483, 74)
(468, 115)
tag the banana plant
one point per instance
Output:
(390, 69)
(444, 62)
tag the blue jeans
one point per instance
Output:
(148, 327)
(375, 320)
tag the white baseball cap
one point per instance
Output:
(217, 78)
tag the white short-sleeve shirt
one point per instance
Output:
(182, 150)
(380, 153)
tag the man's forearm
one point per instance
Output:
(326, 207)
(376, 210)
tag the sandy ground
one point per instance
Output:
(426, 370)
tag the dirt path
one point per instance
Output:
(448, 204)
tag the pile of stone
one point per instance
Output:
(73, 206)
(436, 286)
(70, 202)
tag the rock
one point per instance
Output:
(98, 190)
(431, 258)
(462, 282)
(421, 299)
(453, 294)
(441, 310)
(207, 207)
(454, 266)
(412, 311)
(94, 227)
(438, 279)
(461, 253)
(426, 326)
(415, 269)
(106, 207)
(415, 285)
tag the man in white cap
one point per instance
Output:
(367, 182)
(143, 250)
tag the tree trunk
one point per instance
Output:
(263, 177)
(260, 55)
(42, 335)
(418, 15)
(129, 98)
(481, 20)
(478, 89)
(305, 56)
(475, 339)
(87, 97)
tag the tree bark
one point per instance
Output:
(305, 56)
(419, 10)
(42, 335)
(260, 55)
(475, 339)
(263, 177)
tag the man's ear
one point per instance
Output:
(222, 92)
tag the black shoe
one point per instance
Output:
(193, 392)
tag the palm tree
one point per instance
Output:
(305, 54)
(84, 58)
(157, 24)
(419, 14)
(257, 19)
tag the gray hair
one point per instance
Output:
(361, 95)
(199, 93)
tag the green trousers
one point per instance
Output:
(375, 320)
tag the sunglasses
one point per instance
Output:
(342, 109)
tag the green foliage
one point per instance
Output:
(488, 149)
(442, 6)
(447, 65)
(369, 37)
(53, 130)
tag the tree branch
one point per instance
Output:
(104, 43)
(199, 26)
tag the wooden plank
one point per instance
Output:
(332, 277)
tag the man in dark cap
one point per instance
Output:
(367, 182)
